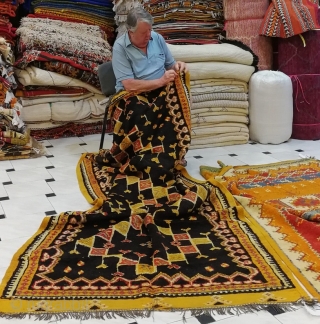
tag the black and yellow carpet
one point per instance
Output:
(155, 239)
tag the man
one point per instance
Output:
(141, 59)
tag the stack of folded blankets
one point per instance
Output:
(92, 12)
(15, 139)
(243, 19)
(219, 77)
(121, 9)
(187, 22)
(56, 69)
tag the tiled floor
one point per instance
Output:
(33, 188)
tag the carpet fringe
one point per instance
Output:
(103, 315)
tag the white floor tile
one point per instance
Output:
(64, 187)
(282, 156)
(23, 176)
(28, 189)
(4, 176)
(65, 160)
(298, 317)
(3, 192)
(66, 141)
(262, 317)
(18, 207)
(25, 164)
(5, 165)
(63, 173)
(66, 150)
(69, 202)
(256, 158)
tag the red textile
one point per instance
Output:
(294, 58)
(306, 109)
(286, 18)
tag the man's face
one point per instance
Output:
(141, 36)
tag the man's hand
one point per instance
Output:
(180, 67)
(168, 76)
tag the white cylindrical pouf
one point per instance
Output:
(270, 107)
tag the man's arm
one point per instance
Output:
(148, 85)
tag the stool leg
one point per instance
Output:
(104, 127)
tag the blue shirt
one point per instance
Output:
(129, 62)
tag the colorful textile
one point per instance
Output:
(286, 18)
(156, 239)
(284, 198)
(248, 9)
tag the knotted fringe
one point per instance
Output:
(103, 315)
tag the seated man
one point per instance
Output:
(141, 59)
(150, 111)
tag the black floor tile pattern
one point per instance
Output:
(4, 198)
(7, 183)
(50, 180)
(49, 156)
(299, 150)
(51, 212)
(82, 144)
(50, 167)
(274, 310)
(205, 319)
(49, 146)
(266, 152)
(198, 157)
(232, 154)
(10, 170)
(2, 216)
(51, 195)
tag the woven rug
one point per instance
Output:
(155, 239)
(284, 198)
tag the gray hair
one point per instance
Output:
(136, 15)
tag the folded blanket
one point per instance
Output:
(222, 128)
(211, 52)
(220, 96)
(208, 70)
(212, 120)
(35, 76)
(215, 141)
(202, 89)
(220, 103)
(202, 112)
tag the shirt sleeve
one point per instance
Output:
(170, 61)
(121, 65)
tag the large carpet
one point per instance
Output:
(284, 199)
(155, 239)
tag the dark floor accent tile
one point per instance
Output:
(253, 143)
(51, 212)
(4, 198)
(50, 167)
(266, 152)
(50, 180)
(205, 319)
(82, 144)
(7, 183)
(49, 156)
(299, 150)
(51, 195)
(198, 157)
(2, 216)
(10, 170)
(48, 146)
(232, 154)
(275, 310)
(133, 323)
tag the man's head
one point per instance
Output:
(139, 25)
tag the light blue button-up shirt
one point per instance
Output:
(129, 62)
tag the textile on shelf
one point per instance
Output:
(187, 22)
(286, 18)
(155, 239)
(283, 198)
